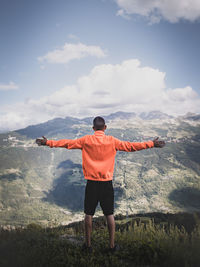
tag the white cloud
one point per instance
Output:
(123, 14)
(128, 86)
(73, 37)
(155, 10)
(72, 51)
(181, 94)
(8, 87)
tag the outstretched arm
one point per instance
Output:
(135, 146)
(67, 143)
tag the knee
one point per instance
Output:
(110, 219)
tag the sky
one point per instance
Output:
(94, 57)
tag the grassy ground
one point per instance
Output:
(142, 241)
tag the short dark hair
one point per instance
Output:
(99, 123)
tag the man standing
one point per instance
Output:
(98, 158)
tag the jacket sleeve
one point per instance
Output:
(67, 143)
(132, 146)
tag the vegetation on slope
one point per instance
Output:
(41, 185)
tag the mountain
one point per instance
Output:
(51, 127)
(120, 115)
(191, 117)
(156, 114)
(66, 125)
(44, 185)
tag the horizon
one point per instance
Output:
(105, 115)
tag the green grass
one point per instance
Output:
(142, 241)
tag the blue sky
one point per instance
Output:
(92, 57)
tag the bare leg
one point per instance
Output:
(88, 229)
(111, 228)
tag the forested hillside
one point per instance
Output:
(46, 186)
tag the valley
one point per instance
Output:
(46, 185)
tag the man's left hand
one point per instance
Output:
(158, 143)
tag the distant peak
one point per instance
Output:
(154, 114)
(120, 115)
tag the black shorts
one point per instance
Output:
(99, 191)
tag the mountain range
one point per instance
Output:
(46, 185)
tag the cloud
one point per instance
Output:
(70, 52)
(155, 10)
(73, 37)
(8, 87)
(123, 14)
(127, 86)
(181, 94)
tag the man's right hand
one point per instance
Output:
(41, 142)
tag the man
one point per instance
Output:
(98, 158)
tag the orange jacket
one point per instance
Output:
(98, 153)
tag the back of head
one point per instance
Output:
(99, 123)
